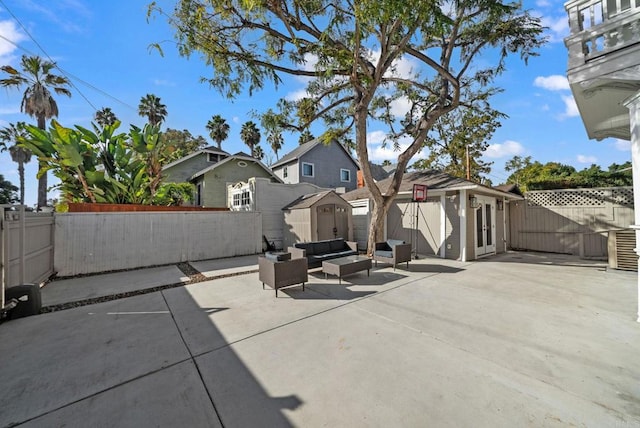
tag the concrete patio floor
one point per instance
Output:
(520, 339)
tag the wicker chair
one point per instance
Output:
(392, 251)
(282, 273)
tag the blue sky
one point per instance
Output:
(104, 47)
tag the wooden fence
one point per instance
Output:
(26, 246)
(571, 221)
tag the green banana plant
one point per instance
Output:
(102, 166)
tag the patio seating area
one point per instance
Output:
(520, 339)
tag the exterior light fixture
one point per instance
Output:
(473, 202)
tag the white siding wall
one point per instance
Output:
(99, 242)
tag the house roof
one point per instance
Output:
(232, 158)
(309, 200)
(209, 149)
(435, 180)
(296, 153)
(380, 172)
(509, 188)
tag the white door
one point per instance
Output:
(485, 226)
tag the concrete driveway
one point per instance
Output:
(520, 339)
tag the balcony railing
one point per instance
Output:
(599, 27)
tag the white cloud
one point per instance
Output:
(586, 159)
(236, 119)
(508, 148)
(571, 108)
(378, 153)
(401, 67)
(558, 27)
(297, 95)
(554, 82)
(543, 3)
(8, 30)
(622, 145)
(376, 137)
(400, 107)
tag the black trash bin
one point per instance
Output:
(28, 297)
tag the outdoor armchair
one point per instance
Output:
(282, 273)
(392, 251)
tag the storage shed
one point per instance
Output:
(316, 217)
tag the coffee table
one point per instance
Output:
(345, 266)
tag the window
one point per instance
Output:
(246, 200)
(241, 200)
(285, 173)
(345, 175)
(213, 157)
(307, 169)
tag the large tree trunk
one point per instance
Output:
(42, 181)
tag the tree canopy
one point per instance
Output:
(362, 61)
(533, 175)
(178, 144)
(7, 191)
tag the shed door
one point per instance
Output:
(333, 222)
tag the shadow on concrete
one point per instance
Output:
(433, 268)
(324, 291)
(237, 396)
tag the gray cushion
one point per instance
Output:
(336, 245)
(386, 254)
(393, 242)
(277, 256)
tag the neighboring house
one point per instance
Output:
(269, 198)
(211, 170)
(378, 172)
(460, 220)
(182, 170)
(325, 165)
(211, 182)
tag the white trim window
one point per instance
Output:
(241, 200)
(307, 169)
(345, 175)
(285, 172)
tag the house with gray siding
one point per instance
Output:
(325, 165)
(182, 170)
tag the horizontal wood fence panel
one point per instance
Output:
(571, 221)
(101, 242)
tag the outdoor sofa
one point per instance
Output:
(279, 270)
(317, 252)
(392, 251)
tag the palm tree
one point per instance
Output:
(218, 129)
(275, 141)
(258, 153)
(37, 100)
(19, 155)
(105, 117)
(305, 137)
(151, 108)
(250, 135)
